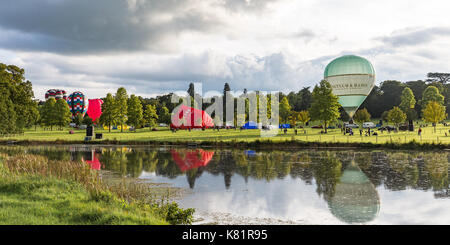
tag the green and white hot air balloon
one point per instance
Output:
(352, 78)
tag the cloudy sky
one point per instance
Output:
(158, 46)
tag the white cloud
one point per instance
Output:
(153, 47)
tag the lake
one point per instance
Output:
(250, 186)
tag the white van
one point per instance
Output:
(369, 125)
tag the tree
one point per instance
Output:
(17, 106)
(109, 112)
(407, 104)
(362, 116)
(226, 89)
(8, 116)
(135, 113)
(306, 98)
(396, 116)
(407, 99)
(371, 103)
(384, 116)
(62, 114)
(434, 113)
(285, 109)
(164, 115)
(121, 107)
(87, 121)
(48, 117)
(390, 92)
(431, 93)
(442, 77)
(294, 118)
(191, 90)
(325, 105)
(303, 117)
(78, 119)
(150, 115)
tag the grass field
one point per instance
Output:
(231, 135)
(35, 191)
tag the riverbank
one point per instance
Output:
(256, 144)
(311, 138)
(36, 191)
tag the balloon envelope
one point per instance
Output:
(77, 103)
(352, 78)
(95, 108)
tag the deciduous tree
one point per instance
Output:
(396, 116)
(150, 115)
(434, 113)
(109, 113)
(325, 105)
(362, 116)
(121, 107)
(135, 112)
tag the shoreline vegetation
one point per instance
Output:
(37, 191)
(258, 144)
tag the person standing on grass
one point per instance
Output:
(420, 131)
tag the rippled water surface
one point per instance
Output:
(246, 186)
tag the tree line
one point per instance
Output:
(392, 101)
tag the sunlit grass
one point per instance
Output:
(210, 135)
(35, 190)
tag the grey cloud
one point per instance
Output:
(414, 37)
(265, 73)
(246, 5)
(98, 26)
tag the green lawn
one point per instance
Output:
(33, 200)
(312, 135)
(37, 191)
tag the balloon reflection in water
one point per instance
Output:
(189, 159)
(92, 159)
(355, 199)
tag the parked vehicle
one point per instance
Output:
(351, 125)
(318, 126)
(369, 125)
(387, 128)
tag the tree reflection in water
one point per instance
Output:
(346, 180)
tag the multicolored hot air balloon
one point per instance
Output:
(352, 78)
(77, 103)
(95, 108)
(56, 93)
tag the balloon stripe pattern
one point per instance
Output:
(77, 104)
(56, 93)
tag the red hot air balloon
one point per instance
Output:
(188, 117)
(95, 108)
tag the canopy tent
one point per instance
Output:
(189, 159)
(188, 117)
(250, 125)
(95, 108)
(285, 126)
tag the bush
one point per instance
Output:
(175, 215)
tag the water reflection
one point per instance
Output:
(190, 159)
(355, 198)
(347, 182)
